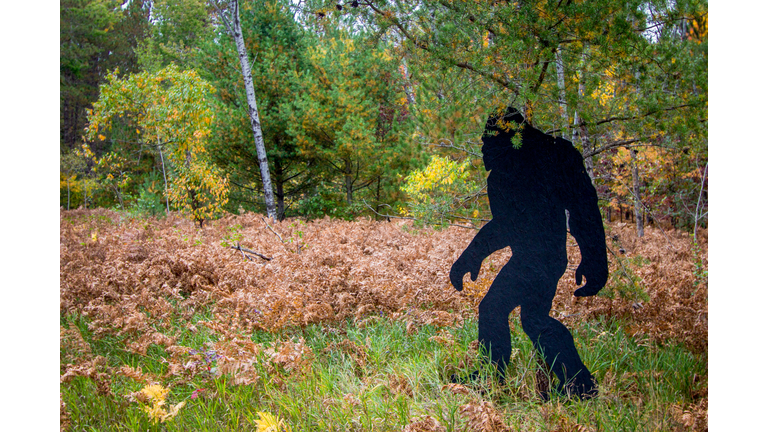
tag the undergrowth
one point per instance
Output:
(164, 326)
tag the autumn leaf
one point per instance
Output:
(268, 422)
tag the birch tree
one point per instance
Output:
(232, 23)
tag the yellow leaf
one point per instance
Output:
(269, 422)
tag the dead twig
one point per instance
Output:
(273, 231)
(244, 250)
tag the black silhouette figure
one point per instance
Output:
(529, 189)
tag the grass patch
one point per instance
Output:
(375, 375)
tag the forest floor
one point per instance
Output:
(349, 326)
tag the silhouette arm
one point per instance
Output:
(488, 240)
(586, 226)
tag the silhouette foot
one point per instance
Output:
(466, 379)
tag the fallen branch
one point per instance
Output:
(244, 250)
(273, 231)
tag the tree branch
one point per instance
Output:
(273, 231)
(243, 250)
(223, 17)
(423, 45)
(624, 118)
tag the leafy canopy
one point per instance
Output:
(171, 112)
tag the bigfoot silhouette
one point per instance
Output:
(529, 189)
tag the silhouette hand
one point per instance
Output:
(596, 279)
(459, 269)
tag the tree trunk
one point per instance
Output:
(636, 193)
(348, 179)
(165, 178)
(700, 205)
(119, 197)
(586, 147)
(378, 195)
(407, 83)
(561, 88)
(576, 120)
(280, 189)
(253, 111)
(580, 129)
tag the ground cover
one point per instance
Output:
(354, 326)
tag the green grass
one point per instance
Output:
(639, 382)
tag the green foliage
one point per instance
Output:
(151, 200)
(95, 36)
(700, 272)
(179, 27)
(233, 237)
(633, 73)
(84, 34)
(625, 283)
(322, 200)
(352, 99)
(170, 111)
(276, 43)
(71, 166)
(111, 172)
(352, 117)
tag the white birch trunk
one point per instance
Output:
(253, 111)
(576, 119)
(699, 205)
(580, 129)
(408, 86)
(561, 88)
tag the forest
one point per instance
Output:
(376, 109)
(260, 204)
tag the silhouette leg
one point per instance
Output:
(493, 317)
(555, 343)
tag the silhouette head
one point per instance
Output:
(497, 138)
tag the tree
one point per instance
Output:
(112, 170)
(232, 22)
(629, 74)
(178, 28)
(70, 167)
(275, 38)
(438, 189)
(352, 115)
(171, 113)
(95, 36)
